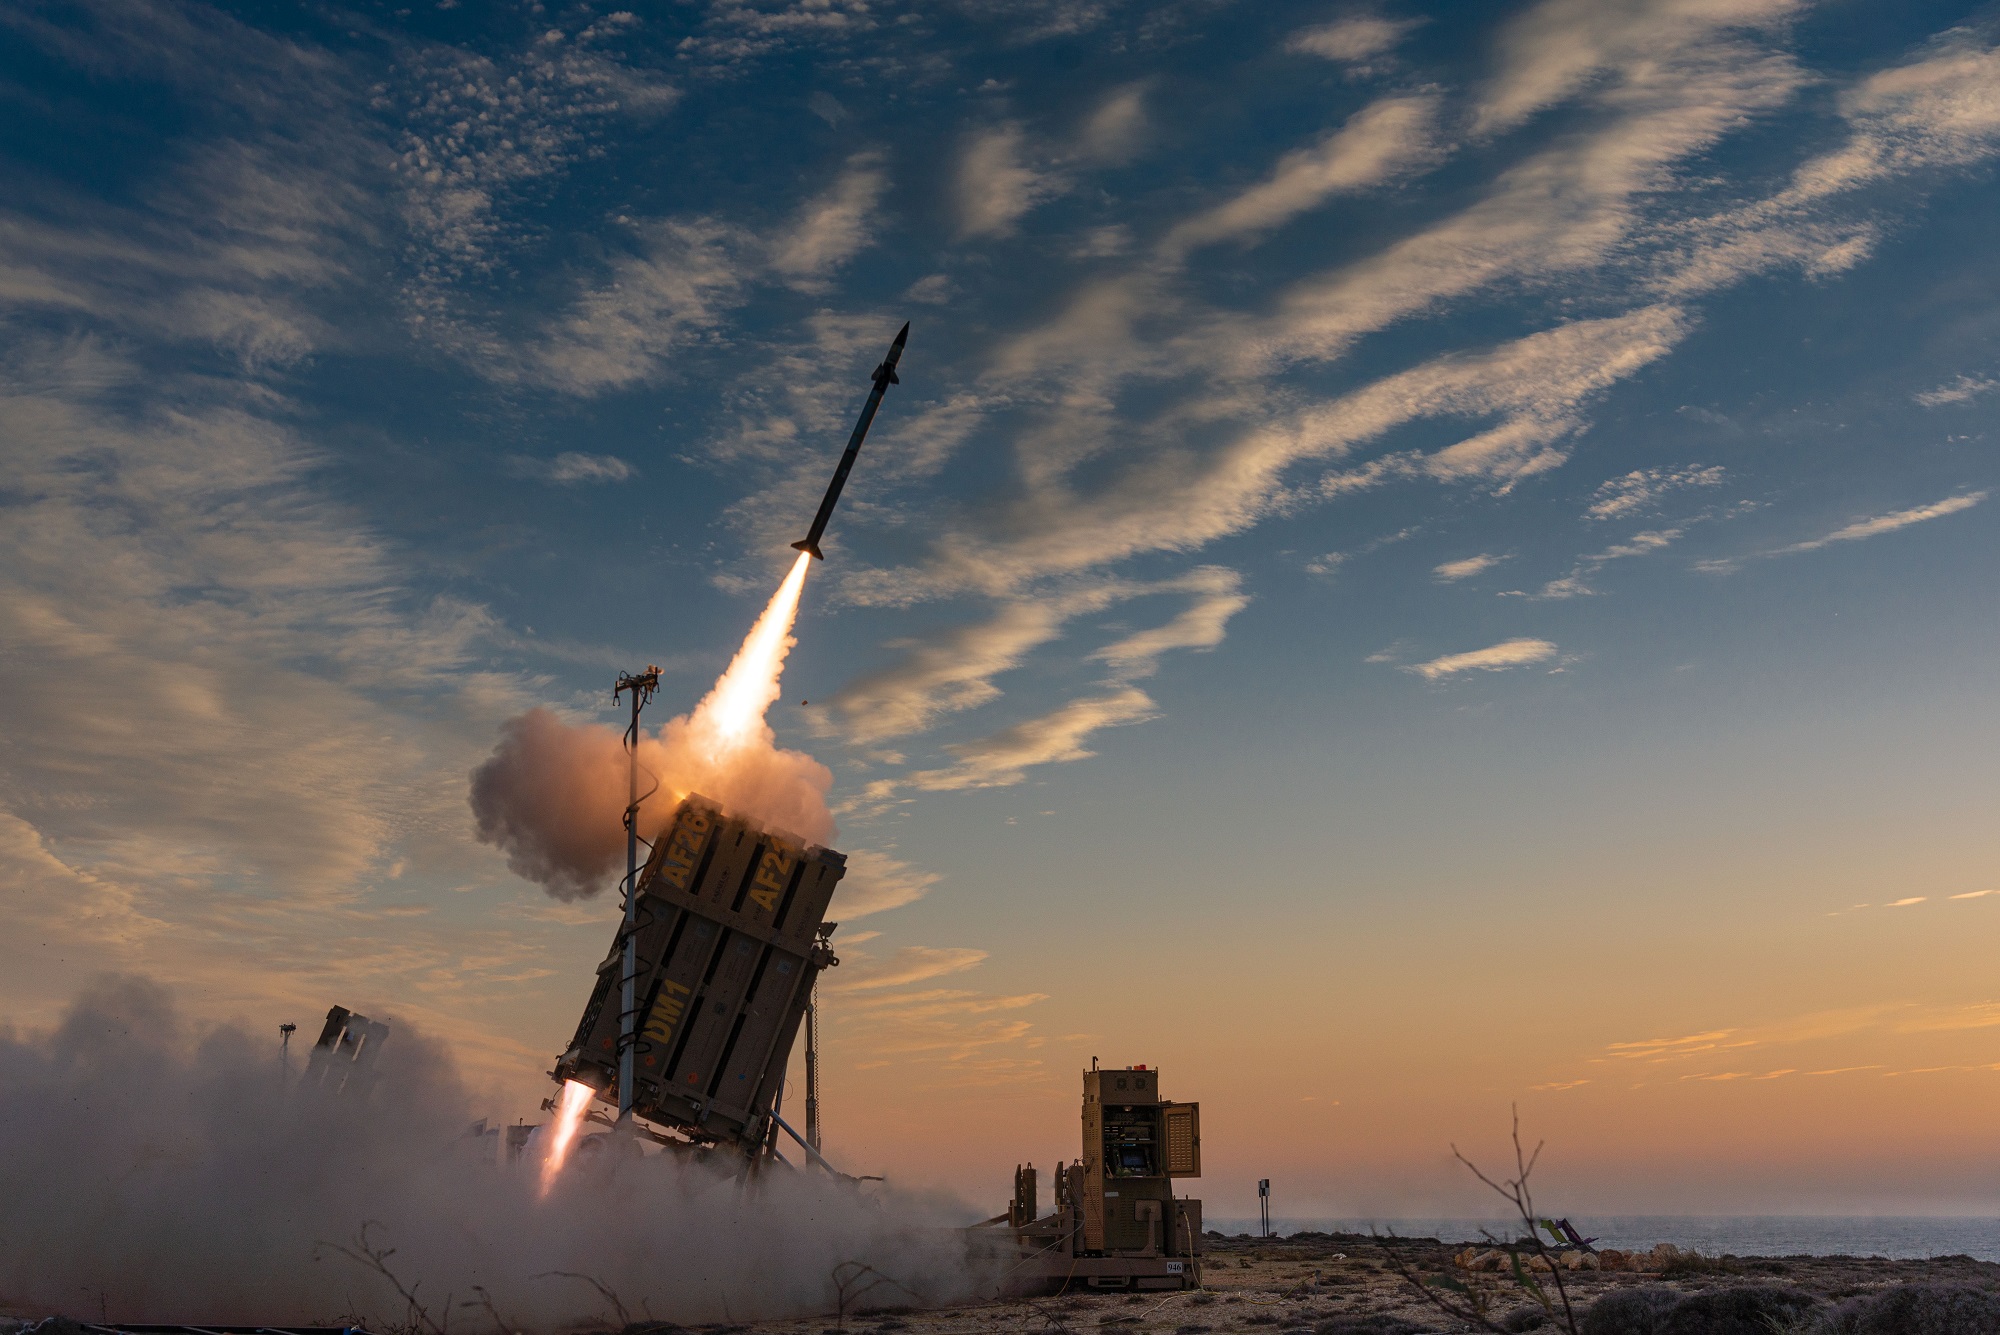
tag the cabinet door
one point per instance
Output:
(1183, 1139)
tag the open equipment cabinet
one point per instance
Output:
(1117, 1223)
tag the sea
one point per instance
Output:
(1901, 1238)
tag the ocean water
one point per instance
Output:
(1895, 1237)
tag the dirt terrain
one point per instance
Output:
(1336, 1282)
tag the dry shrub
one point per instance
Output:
(1629, 1311)
(1916, 1309)
(1753, 1309)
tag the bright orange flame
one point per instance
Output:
(570, 1109)
(732, 714)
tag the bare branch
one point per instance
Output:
(624, 1317)
(1517, 1193)
(854, 1279)
(1052, 1322)
(370, 1257)
(1472, 1307)
(485, 1301)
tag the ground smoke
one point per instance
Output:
(551, 795)
(155, 1174)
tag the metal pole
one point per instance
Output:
(642, 687)
(628, 1004)
(1264, 1206)
(812, 1065)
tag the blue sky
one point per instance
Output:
(1451, 504)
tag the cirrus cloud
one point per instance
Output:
(1889, 523)
(1493, 658)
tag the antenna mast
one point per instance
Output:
(641, 685)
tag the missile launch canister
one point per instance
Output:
(884, 376)
(731, 932)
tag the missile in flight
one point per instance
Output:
(884, 376)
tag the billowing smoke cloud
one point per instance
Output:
(552, 794)
(159, 1174)
(549, 798)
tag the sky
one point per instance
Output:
(1426, 559)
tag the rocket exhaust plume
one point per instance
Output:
(574, 1103)
(732, 714)
(551, 795)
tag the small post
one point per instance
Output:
(641, 685)
(812, 1064)
(1264, 1206)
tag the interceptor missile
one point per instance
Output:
(884, 376)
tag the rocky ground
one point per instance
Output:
(1348, 1284)
(1344, 1284)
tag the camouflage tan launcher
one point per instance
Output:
(728, 939)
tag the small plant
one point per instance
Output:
(1473, 1303)
(484, 1301)
(624, 1317)
(1052, 1315)
(1750, 1309)
(366, 1254)
(854, 1280)
(1629, 1311)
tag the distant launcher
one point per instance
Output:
(1117, 1222)
(343, 1060)
(730, 934)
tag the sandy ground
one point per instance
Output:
(1284, 1285)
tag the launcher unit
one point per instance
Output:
(343, 1061)
(1117, 1223)
(730, 935)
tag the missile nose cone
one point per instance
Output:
(904, 336)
